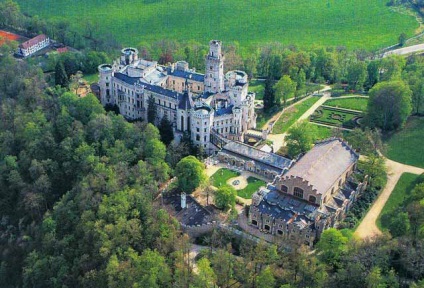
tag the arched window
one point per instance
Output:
(298, 192)
(284, 188)
(312, 199)
(340, 182)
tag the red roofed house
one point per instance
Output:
(33, 45)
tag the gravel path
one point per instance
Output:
(368, 227)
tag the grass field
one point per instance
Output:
(359, 104)
(222, 175)
(365, 24)
(290, 116)
(403, 187)
(406, 146)
(252, 186)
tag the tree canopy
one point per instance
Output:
(190, 173)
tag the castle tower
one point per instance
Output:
(214, 72)
(105, 78)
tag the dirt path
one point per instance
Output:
(368, 227)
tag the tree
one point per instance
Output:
(356, 75)
(269, 95)
(60, 77)
(331, 246)
(265, 279)
(166, 131)
(389, 105)
(190, 173)
(300, 138)
(151, 110)
(399, 225)
(225, 197)
(285, 89)
(402, 39)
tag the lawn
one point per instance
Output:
(322, 132)
(406, 146)
(335, 117)
(257, 87)
(222, 175)
(290, 116)
(368, 24)
(403, 187)
(359, 104)
(252, 186)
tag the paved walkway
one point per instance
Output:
(278, 139)
(368, 227)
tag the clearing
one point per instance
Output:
(369, 24)
(406, 146)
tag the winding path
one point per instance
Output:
(368, 227)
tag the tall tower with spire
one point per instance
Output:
(214, 72)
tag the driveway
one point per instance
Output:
(368, 227)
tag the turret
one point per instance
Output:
(105, 78)
(129, 56)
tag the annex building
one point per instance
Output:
(311, 196)
(33, 45)
(195, 103)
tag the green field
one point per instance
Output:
(359, 104)
(368, 24)
(290, 116)
(406, 146)
(252, 186)
(406, 183)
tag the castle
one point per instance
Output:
(199, 104)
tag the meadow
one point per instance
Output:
(406, 146)
(368, 24)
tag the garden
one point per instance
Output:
(220, 178)
(336, 117)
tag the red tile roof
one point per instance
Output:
(33, 41)
(62, 50)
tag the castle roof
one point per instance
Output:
(147, 86)
(224, 111)
(187, 75)
(185, 103)
(324, 164)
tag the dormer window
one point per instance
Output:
(298, 192)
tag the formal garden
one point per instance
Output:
(336, 117)
(220, 178)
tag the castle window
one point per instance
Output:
(197, 137)
(340, 182)
(284, 189)
(211, 67)
(312, 199)
(197, 129)
(267, 228)
(298, 192)
(254, 222)
(279, 232)
(198, 88)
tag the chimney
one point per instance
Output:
(183, 200)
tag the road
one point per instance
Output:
(405, 50)
(368, 227)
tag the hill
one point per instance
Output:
(368, 24)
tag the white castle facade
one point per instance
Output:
(193, 102)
